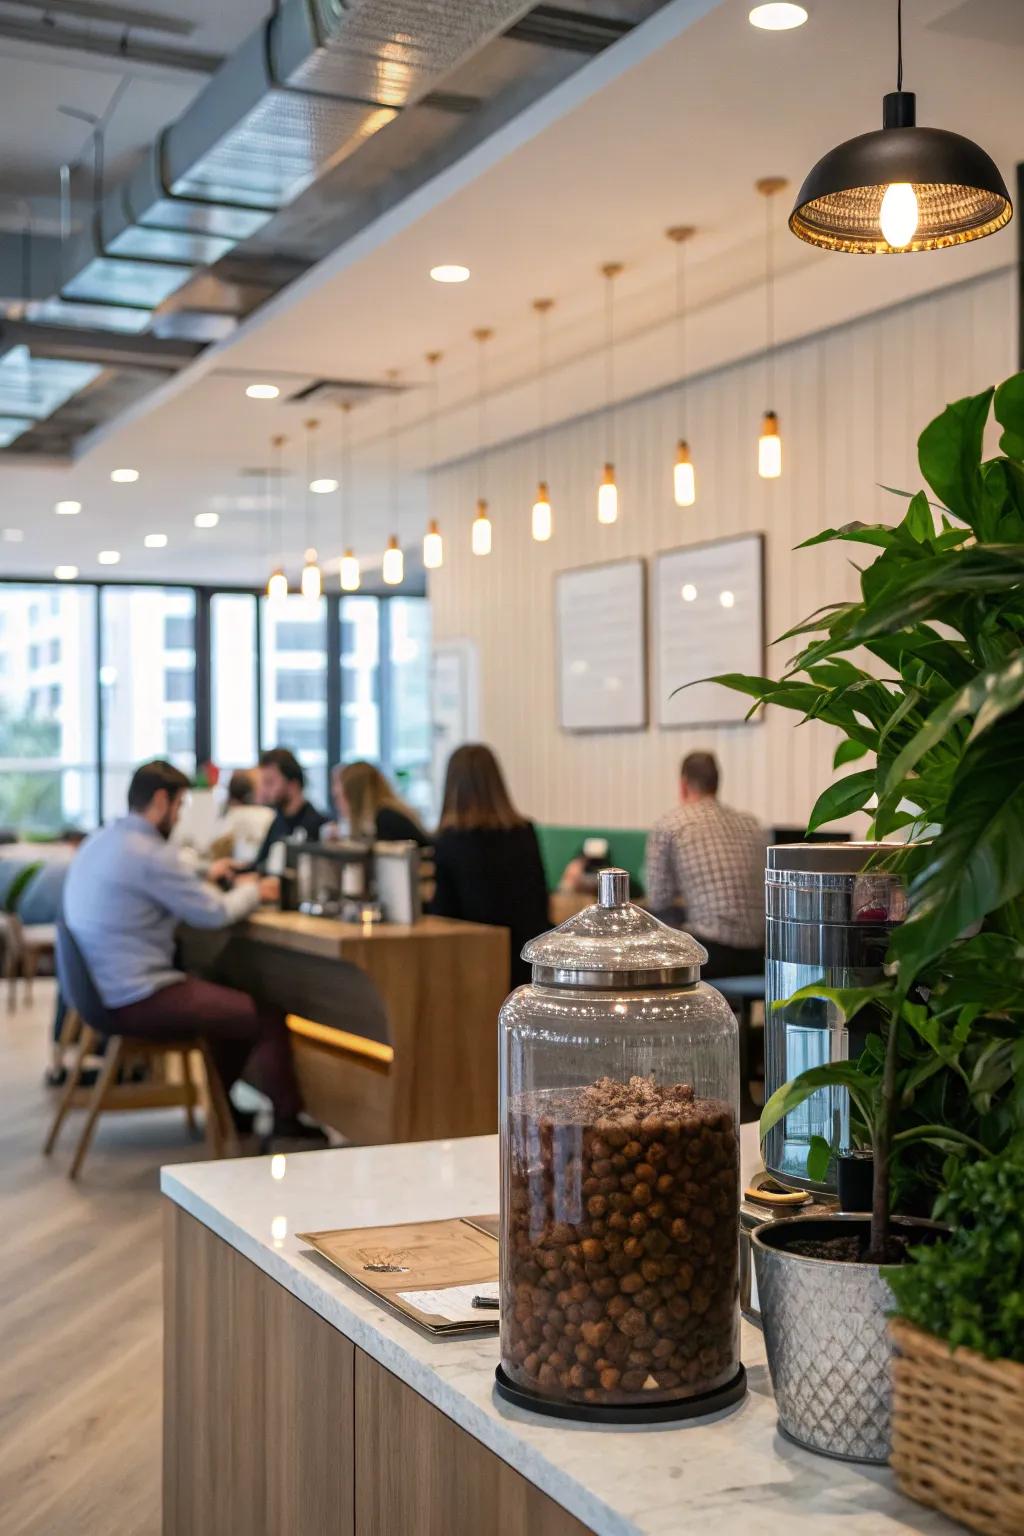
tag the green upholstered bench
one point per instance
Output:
(626, 850)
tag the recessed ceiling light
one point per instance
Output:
(65, 572)
(206, 519)
(12, 535)
(109, 556)
(780, 16)
(323, 487)
(449, 272)
(262, 391)
(124, 476)
(155, 541)
(67, 508)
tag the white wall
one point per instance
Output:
(851, 403)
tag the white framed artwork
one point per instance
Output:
(601, 647)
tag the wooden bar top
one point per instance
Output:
(329, 937)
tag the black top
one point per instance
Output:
(394, 826)
(306, 819)
(494, 877)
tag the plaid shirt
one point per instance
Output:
(711, 859)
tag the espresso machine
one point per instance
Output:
(352, 880)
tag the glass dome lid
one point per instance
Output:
(615, 946)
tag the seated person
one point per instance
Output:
(281, 784)
(579, 877)
(242, 825)
(125, 894)
(710, 860)
(487, 860)
(365, 800)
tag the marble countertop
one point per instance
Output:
(731, 1473)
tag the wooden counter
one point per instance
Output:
(394, 1028)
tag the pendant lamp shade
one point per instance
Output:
(959, 192)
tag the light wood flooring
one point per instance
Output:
(80, 1304)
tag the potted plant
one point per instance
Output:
(937, 718)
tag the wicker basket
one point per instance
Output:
(958, 1431)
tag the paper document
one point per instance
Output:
(455, 1302)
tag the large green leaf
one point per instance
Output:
(854, 533)
(949, 453)
(835, 1074)
(848, 752)
(974, 864)
(842, 798)
(1009, 411)
(989, 696)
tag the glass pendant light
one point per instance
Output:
(433, 544)
(277, 582)
(348, 568)
(541, 521)
(608, 491)
(311, 582)
(684, 481)
(769, 443)
(393, 565)
(480, 534)
(901, 188)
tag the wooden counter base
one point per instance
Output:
(275, 1424)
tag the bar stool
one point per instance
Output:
(111, 1091)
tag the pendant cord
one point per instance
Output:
(481, 419)
(542, 390)
(310, 468)
(393, 459)
(346, 475)
(277, 513)
(899, 45)
(769, 304)
(609, 314)
(681, 359)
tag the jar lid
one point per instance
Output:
(615, 945)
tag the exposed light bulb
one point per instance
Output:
(608, 496)
(324, 486)
(541, 523)
(684, 482)
(277, 586)
(393, 565)
(433, 547)
(311, 584)
(349, 572)
(769, 448)
(899, 214)
(68, 508)
(481, 536)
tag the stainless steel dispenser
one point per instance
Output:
(830, 909)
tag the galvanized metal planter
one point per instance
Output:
(825, 1330)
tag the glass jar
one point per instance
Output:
(620, 1169)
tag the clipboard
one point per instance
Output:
(428, 1271)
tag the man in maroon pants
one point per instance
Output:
(126, 893)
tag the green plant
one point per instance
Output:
(969, 1290)
(924, 676)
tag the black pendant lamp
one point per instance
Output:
(901, 188)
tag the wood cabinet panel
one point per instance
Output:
(418, 1472)
(258, 1397)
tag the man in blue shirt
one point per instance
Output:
(126, 892)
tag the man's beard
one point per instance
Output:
(166, 827)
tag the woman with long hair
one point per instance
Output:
(488, 863)
(363, 796)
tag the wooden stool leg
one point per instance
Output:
(220, 1127)
(190, 1088)
(86, 1044)
(108, 1075)
(29, 967)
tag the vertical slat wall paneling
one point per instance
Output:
(851, 404)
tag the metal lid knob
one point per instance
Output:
(613, 888)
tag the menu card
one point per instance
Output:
(429, 1271)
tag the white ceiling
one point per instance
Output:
(677, 136)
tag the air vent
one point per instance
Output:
(344, 392)
(552, 26)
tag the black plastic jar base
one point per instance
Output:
(626, 1413)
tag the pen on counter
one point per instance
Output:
(486, 1301)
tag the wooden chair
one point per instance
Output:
(112, 1089)
(24, 943)
(112, 1092)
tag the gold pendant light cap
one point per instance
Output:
(608, 478)
(432, 526)
(542, 491)
(769, 424)
(683, 452)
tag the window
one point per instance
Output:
(48, 736)
(360, 678)
(139, 699)
(178, 632)
(408, 731)
(299, 687)
(54, 653)
(180, 685)
(294, 640)
(35, 657)
(233, 680)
